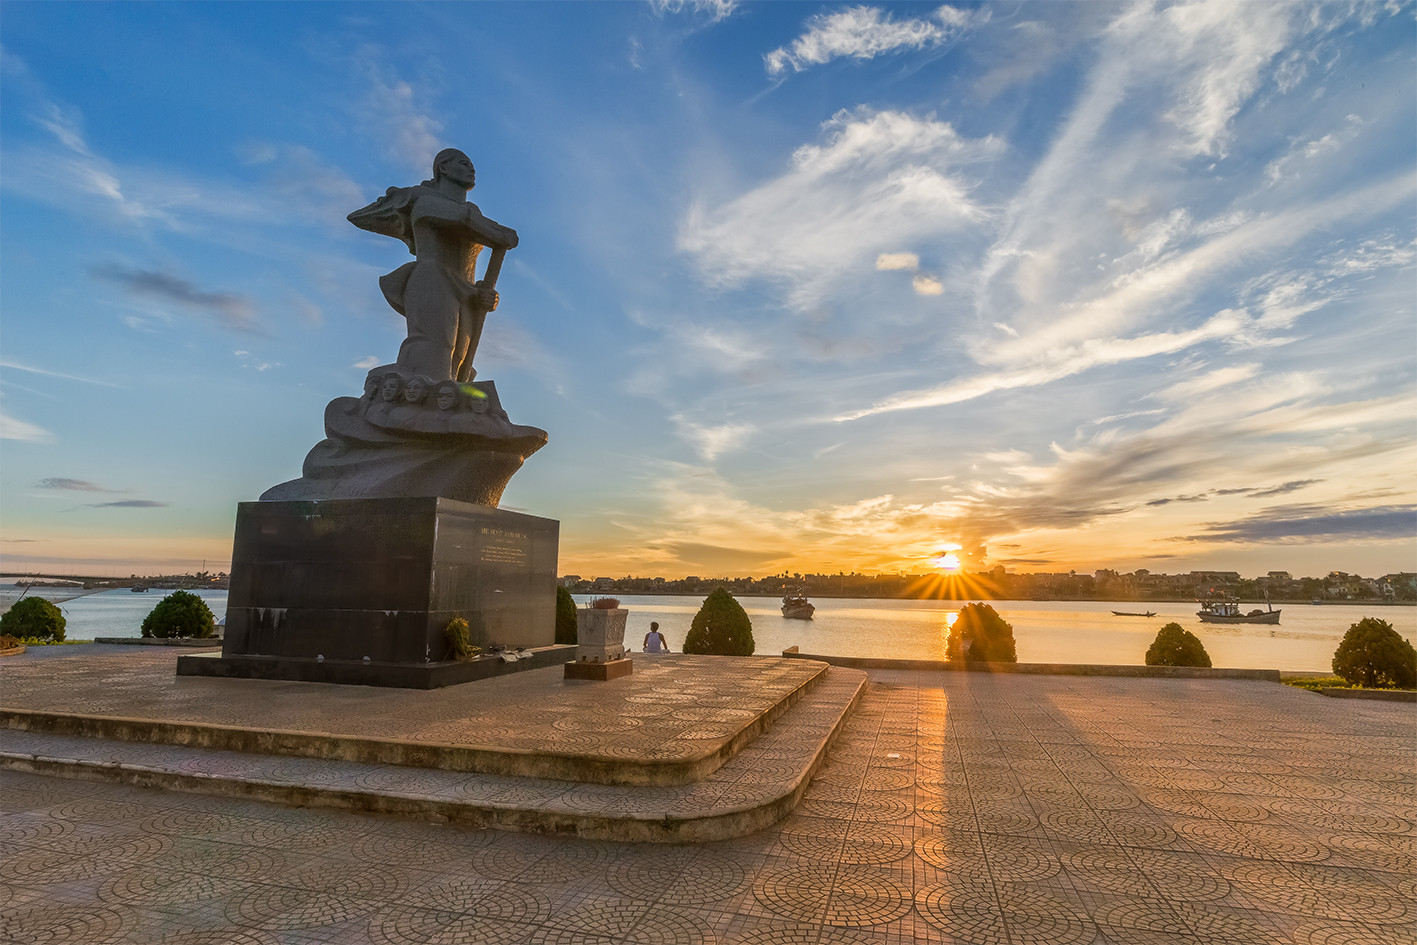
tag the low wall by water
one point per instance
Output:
(1042, 669)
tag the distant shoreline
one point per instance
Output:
(1298, 602)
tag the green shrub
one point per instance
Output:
(979, 634)
(460, 640)
(33, 617)
(180, 614)
(1175, 646)
(1374, 656)
(720, 628)
(565, 616)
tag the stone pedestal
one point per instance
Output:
(370, 585)
(600, 645)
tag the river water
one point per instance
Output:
(1044, 631)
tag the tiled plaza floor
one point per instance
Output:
(957, 807)
(665, 711)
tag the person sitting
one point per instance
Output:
(654, 640)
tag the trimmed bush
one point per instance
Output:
(1175, 646)
(565, 616)
(980, 635)
(1373, 655)
(460, 641)
(720, 628)
(33, 618)
(180, 614)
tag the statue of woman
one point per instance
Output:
(436, 293)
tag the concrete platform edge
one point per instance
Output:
(658, 829)
(1377, 695)
(1043, 669)
(511, 762)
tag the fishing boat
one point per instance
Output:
(1124, 613)
(796, 606)
(1228, 611)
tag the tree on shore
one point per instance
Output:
(1373, 655)
(33, 618)
(720, 628)
(1176, 646)
(565, 616)
(180, 614)
(980, 635)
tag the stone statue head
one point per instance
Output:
(447, 394)
(391, 387)
(416, 389)
(371, 387)
(455, 166)
(479, 405)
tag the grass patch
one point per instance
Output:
(1315, 682)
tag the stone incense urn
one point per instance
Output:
(600, 644)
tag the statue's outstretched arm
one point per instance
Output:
(489, 232)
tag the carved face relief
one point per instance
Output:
(415, 390)
(391, 388)
(371, 387)
(459, 170)
(479, 405)
(447, 398)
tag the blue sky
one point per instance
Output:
(800, 286)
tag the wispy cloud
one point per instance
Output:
(72, 485)
(12, 365)
(395, 117)
(878, 180)
(13, 428)
(73, 166)
(126, 504)
(712, 441)
(1306, 523)
(712, 10)
(231, 311)
(253, 363)
(863, 32)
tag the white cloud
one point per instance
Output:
(396, 119)
(12, 365)
(12, 428)
(863, 32)
(1220, 49)
(927, 285)
(886, 262)
(879, 179)
(713, 441)
(1214, 380)
(714, 10)
(1088, 354)
(368, 364)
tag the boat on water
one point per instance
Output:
(796, 606)
(1228, 611)
(1125, 613)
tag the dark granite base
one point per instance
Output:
(360, 673)
(380, 579)
(600, 672)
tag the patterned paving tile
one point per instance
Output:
(1016, 810)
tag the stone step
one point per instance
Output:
(753, 789)
(674, 721)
